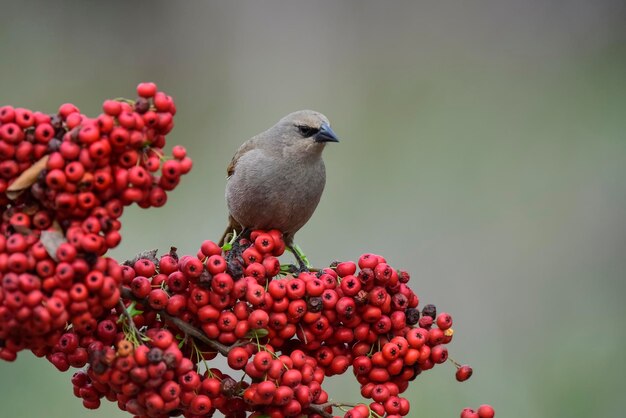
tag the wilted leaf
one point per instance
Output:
(51, 240)
(30, 208)
(148, 255)
(27, 178)
(22, 229)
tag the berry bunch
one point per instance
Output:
(484, 411)
(64, 181)
(285, 332)
(145, 331)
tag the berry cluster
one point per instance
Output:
(285, 332)
(145, 331)
(483, 411)
(64, 181)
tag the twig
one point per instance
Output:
(319, 409)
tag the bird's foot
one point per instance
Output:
(301, 258)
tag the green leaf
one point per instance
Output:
(257, 333)
(133, 311)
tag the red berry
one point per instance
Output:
(200, 405)
(291, 378)
(463, 373)
(24, 118)
(157, 298)
(210, 248)
(486, 411)
(439, 354)
(171, 169)
(368, 261)
(258, 319)
(469, 413)
(170, 391)
(179, 152)
(146, 90)
(264, 243)
(238, 358)
(89, 134)
(444, 320)
(216, 264)
(44, 133)
(346, 268)
(7, 114)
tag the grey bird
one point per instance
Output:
(276, 178)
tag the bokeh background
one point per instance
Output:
(483, 148)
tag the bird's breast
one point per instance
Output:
(267, 192)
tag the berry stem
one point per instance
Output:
(457, 364)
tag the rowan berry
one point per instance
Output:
(146, 90)
(258, 319)
(469, 413)
(444, 321)
(486, 411)
(368, 261)
(264, 243)
(463, 373)
(238, 358)
(222, 283)
(291, 378)
(313, 324)
(216, 264)
(439, 354)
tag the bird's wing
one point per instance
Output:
(244, 148)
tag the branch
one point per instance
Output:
(319, 409)
(188, 329)
(148, 254)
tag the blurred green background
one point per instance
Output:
(482, 148)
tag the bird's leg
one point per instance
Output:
(303, 261)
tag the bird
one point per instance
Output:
(276, 178)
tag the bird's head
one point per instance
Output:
(304, 131)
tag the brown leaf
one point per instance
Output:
(22, 229)
(27, 178)
(52, 239)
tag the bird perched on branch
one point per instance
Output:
(276, 178)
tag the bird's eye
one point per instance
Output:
(307, 131)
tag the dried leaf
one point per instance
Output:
(30, 208)
(27, 178)
(148, 254)
(51, 240)
(22, 229)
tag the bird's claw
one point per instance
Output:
(301, 258)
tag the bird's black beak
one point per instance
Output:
(326, 134)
